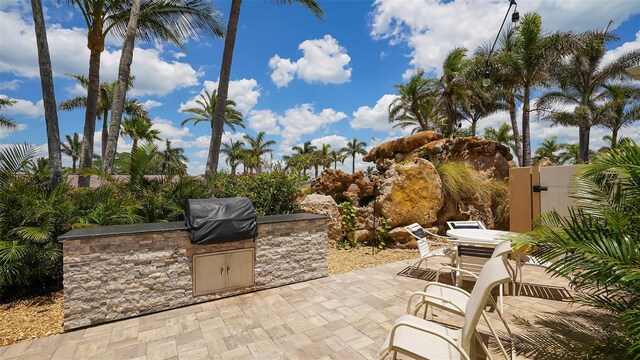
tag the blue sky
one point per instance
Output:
(293, 76)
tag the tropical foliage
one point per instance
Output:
(597, 244)
(5, 121)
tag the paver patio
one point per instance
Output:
(344, 316)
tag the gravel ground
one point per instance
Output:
(342, 261)
(42, 316)
(29, 319)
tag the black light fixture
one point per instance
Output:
(515, 23)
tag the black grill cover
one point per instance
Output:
(211, 221)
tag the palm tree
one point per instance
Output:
(453, 87)
(205, 112)
(258, 147)
(165, 20)
(481, 105)
(502, 135)
(415, 103)
(529, 61)
(353, 148)
(132, 107)
(138, 128)
(5, 121)
(622, 109)
(549, 148)
(305, 153)
(596, 244)
(235, 154)
(172, 159)
(48, 95)
(72, 148)
(336, 156)
(225, 73)
(580, 80)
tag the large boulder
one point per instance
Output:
(410, 192)
(389, 149)
(336, 183)
(324, 205)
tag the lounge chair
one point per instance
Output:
(472, 224)
(420, 338)
(424, 244)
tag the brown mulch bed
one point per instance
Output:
(30, 319)
(342, 260)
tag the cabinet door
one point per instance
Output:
(240, 268)
(209, 273)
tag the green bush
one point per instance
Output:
(598, 244)
(272, 193)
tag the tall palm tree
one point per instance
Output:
(453, 87)
(353, 148)
(235, 154)
(48, 95)
(529, 62)
(205, 112)
(132, 107)
(502, 135)
(336, 156)
(580, 80)
(416, 103)
(549, 148)
(305, 153)
(225, 73)
(72, 148)
(622, 109)
(165, 20)
(138, 128)
(172, 159)
(5, 121)
(258, 146)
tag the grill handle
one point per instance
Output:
(228, 269)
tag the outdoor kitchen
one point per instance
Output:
(121, 271)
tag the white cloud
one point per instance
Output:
(202, 142)
(304, 120)
(431, 28)
(4, 132)
(123, 145)
(151, 104)
(169, 131)
(264, 120)
(179, 55)
(337, 142)
(626, 47)
(245, 92)
(25, 108)
(323, 61)
(376, 118)
(69, 55)
(10, 85)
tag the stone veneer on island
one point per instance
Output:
(120, 271)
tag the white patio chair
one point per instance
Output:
(457, 297)
(471, 224)
(420, 338)
(424, 247)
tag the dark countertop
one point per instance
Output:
(114, 230)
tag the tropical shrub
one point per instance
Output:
(347, 240)
(598, 244)
(272, 193)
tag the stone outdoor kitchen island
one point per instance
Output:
(116, 272)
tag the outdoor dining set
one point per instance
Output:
(476, 254)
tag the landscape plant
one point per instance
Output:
(597, 244)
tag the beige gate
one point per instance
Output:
(534, 190)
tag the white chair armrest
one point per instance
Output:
(453, 268)
(430, 296)
(450, 287)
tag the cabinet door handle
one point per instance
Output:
(228, 270)
(221, 270)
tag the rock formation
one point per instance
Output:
(324, 205)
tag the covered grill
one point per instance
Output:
(212, 221)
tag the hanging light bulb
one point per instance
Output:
(487, 79)
(515, 20)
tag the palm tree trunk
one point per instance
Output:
(105, 133)
(48, 95)
(223, 87)
(353, 163)
(132, 167)
(86, 154)
(316, 170)
(614, 138)
(526, 136)
(335, 164)
(474, 125)
(73, 166)
(117, 105)
(583, 143)
(514, 128)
